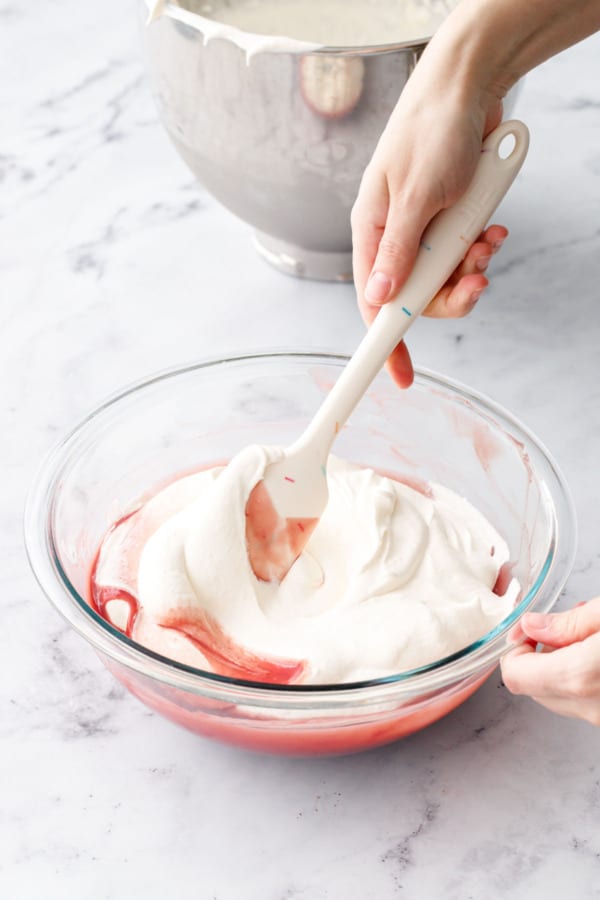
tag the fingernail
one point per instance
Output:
(539, 621)
(497, 244)
(483, 262)
(378, 288)
(475, 296)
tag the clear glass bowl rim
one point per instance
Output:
(474, 659)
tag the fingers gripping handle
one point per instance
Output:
(451, 233)
(444, 245)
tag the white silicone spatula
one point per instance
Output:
(284, 508)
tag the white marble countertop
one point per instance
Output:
(114, 263)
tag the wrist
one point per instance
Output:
(456, 80)
(474, 54)
(485, 46)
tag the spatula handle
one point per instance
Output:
(444, 245)
(451, 233)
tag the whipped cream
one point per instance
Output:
(297, 26)
(391, 579)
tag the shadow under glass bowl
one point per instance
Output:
(281, 139)
(192, 417)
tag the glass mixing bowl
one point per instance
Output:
(203, 414)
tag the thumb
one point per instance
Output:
(397, 250)
(564, 628)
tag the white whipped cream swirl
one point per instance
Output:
(391, 579)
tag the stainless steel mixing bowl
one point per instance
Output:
(281, 139)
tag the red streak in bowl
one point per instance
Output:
(274, 543)
(228, 658)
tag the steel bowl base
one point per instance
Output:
(302, 263)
